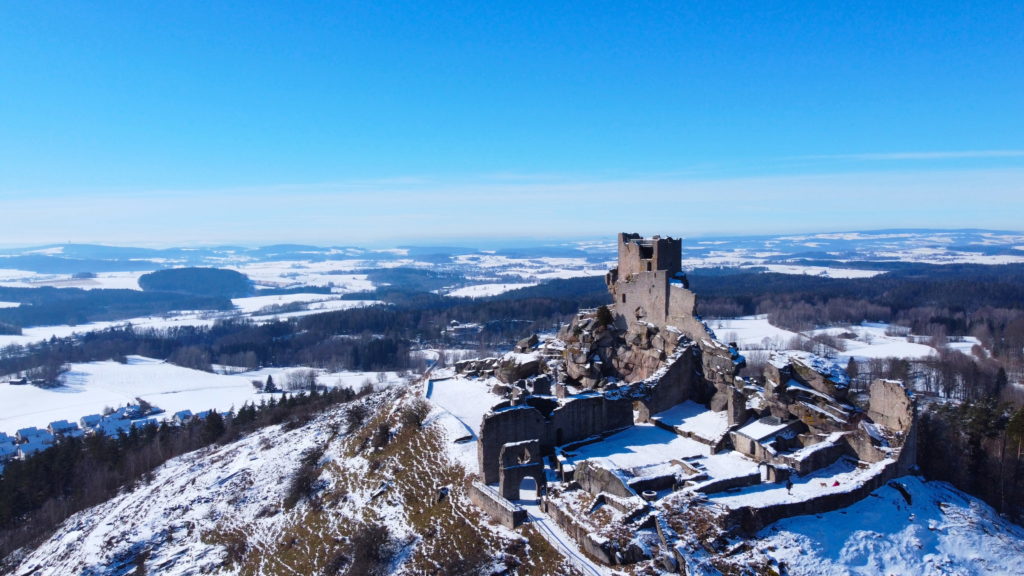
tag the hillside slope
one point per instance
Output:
(388, 497)
(316, 499)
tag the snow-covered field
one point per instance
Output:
(824, 271)
(869, 340)
(872, 341)
(104, 280)
(293, 273)
(40, 333)
(752, 332)
(532, 269)
(484, 290)
(89, 388)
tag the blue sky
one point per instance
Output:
(383, 122)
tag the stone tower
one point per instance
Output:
(648, 285)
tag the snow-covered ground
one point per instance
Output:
(873, 342)
(257, 303)
(752, 332)
(40, 333)
(824, 271)
(638, 446)
(532, 269)
(869, 340)
(89, 388)
(484, 290)
(466, 399)
(941, 531)
(690, 417)
(187, 497)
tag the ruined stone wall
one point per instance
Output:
(679, 384)
(752, 519)
(682, 307)
(498, 508)
(750, 447)
(577, 532)
(498, 428)
(584, 417)
(596, 479)
(642, 297)
(818, 458)
(577, 419)
(638, 254)
(892, 406)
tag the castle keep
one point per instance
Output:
(648, 285)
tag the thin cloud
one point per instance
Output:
(945, 155)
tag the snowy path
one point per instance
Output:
(555, 536)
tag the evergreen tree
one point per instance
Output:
(213, 427)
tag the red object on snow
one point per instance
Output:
(836, 483)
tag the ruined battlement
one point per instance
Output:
(656, 254)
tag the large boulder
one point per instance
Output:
(514, 366)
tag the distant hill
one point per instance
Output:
(198, 282)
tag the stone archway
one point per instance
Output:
(520, 460)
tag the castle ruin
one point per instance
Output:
(644, 360)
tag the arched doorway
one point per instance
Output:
(529, 492)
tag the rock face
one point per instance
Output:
(516, 366)
(596, 353)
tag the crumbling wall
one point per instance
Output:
(642, 297)
(597, 479)
(576, 419)
(587, 416)
(638, 254)
(520, 460)
(501, 427)
(565, 520)
(892, 406)
(679, 383)
(501, 510)
(749, 519)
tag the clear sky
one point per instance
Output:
(174, 123)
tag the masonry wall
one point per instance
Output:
(577, 419)
(596, 479)
(647, 290)
(509, 425)
(584, 417)
(751, 519)
(679, 384)
(581, 535)
(501, 510)
(665, 254)
(890, 405)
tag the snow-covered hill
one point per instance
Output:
(233, 510)
(386, 495)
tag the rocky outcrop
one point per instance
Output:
(517, 366)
